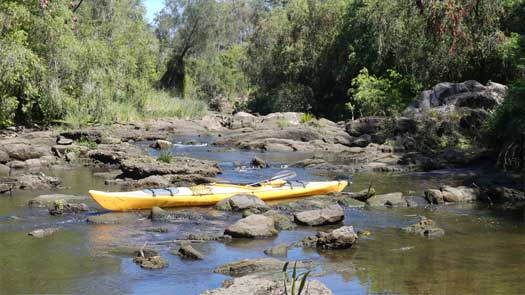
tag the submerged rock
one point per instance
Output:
(330, 215)
(51, 199)
(253, 226)
(209, 237)
(157, 229)
(133, 251)
(43, 232)
(159, 214)
(113, 218)
(154, 262)
(253, 284)
(425, 227)
(246, 266)
(278, 250)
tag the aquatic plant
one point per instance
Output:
(294, 278)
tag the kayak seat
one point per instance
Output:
(168, 191)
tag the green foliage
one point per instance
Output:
(307, 117)
(283, 123)
(165, 157)
(506, 128)
(87, 143)
(293, 279)
(387, 95)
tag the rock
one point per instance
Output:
(158, 214)
(188, 252)
(209, 237)
(282, 221)
(246, 266)
(252, 284)
(113, 218)
(17, 164)
(4, 188)
(459, 194)
(4, 170)
(62, 207)
(243, 119)
(425, 227)
(362, 141)
(71, 156)
(278, 250)
(161, 144)
(351, 202)
(43, 232)
(330, 215)
(391, 199)
(364, 125)
(4, 157)
(49, 200)
(434, 196)
(155, 262)
(364, 194)
(259, 163)
(157, 229)
(154, 181)
(108, 175)
(503, 197)
(61, 140)
(36, 181)
(187, 169)
(341, 238)
(22, 152)
(241, 202)
(253, 226)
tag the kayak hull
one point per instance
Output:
(186, 197)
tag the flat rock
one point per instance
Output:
(49, 200)
(113, 218)
(391, 199)
(253, 226)
(253, 284)
(341, 238)
(329, 215)
(247, 266)
(282, 221)
(155, 262)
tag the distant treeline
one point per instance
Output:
(99, 61)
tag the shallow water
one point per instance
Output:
(482, 252)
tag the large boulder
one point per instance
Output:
(161, 144)
(364, 125)
(253, 226)
(139, 167)
(4, 157)
(241, 202)
(329, 215)
(450, 194)
(253, 284)
(243, 119)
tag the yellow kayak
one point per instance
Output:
(202, 195)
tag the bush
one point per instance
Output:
(505, 130)
(165, 157)
(386, 95)
(307, 117)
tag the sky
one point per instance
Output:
(152, 7)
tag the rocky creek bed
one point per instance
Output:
(416, 220)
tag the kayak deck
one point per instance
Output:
(203, 195)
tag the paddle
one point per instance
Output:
(283, 175)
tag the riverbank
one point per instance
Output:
(349, 241)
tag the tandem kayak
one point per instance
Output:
(202, 195)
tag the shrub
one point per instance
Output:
(386, 95)
(165, 157)
(307, 117)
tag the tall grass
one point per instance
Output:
(156, 104)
